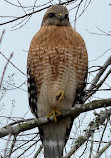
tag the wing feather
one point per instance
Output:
(32, 92)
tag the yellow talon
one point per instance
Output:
(60, 95)
(54, 113)
(50, 114)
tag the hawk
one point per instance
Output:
(57, 71)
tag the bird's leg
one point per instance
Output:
(60, 95)
(54, 113)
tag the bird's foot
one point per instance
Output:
(60, 95)
(54, 113)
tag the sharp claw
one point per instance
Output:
(60, 95)
(54, 113)
(58, 112)
(50, 114)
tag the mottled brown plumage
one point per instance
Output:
(57, 65)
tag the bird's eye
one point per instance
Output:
(51, 15)
(67, 16)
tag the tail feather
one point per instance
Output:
(53, 137)
(53, 149)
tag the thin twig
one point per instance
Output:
(15, 87)
(103, 149)
(2, 36)
(77, 13)
(102, 136)
(7, 145)
(27, 149)
(109, 49)
(99, 74)
(91, 147)
(8, 60)
(26, 143)
(84, 150)
(22, 7)
(25, 22)
(12, 64)
(12, 146)
(92, 91)
(29, 14)
(101, 34)
(38, 151)
(93, 125)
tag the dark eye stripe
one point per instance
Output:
(66, 16)
(51, 15)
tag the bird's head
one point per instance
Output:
(57, 15)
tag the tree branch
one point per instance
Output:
(38, 151)
(92, 91)
(103, 149)
(12, 63)
(29, 14)
(12, 146)
(102, 136)
(33, 123)
(2, 36)
(8, 60)
(94, 86)
(99, 74)
(93, 125)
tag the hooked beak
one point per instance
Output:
(60, 16)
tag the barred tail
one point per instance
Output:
(54, 137)
(53, 149)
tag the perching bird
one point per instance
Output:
(57, 70)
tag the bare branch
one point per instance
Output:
(28, 141)
(77, 13)
(12, 63)
(2, 36)
(14, 4)
(91, 147)
(15, 87)
(34, 12)
(27, 149)
(103, 150)
(92, 91)
(24, 16)
(102, 136)
(93, 125)
(99, 74)
(7, 145)
(33, 123)
(84, 150)
(8, 60)
(12, 146)
(101, 34)
(109, 49)
(38, 151)
(22, 7)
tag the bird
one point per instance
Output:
(57, 66)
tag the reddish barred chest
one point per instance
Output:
(58, 64)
